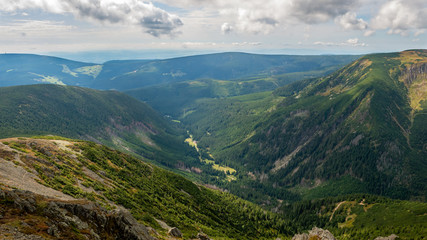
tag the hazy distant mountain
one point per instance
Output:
(22, 69)
(222, 66)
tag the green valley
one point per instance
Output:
(230, 146)
(352, 131)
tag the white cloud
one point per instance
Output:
(349, 21)
(369, 33)
(401, 16)
(255, 21)
(243, 44)
(34, 27)
(419, 32)
(154, 20)
(352, 42)
(254, 16)
(226, 28)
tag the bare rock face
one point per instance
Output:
(175, 232)
(63, 217)
(315, 233)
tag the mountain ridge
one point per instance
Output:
(22, 69)
(354, 122)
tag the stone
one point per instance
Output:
(303, 236)
(202, 236)
(53, 231)
(315, 233)
(129, 228)
(321, 233)
(175, 232)
(391, 237)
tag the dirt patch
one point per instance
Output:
(15, 176)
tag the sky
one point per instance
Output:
(99, 30)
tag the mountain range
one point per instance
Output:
(24, 69)
(360, 128)
(316, 142)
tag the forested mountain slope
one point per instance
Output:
(74, 172)
(360, 129)
(107, 117)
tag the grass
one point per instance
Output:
(92, 71)
(227, 170)
(48, 79)
(148, 190)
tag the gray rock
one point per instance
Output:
(303, 236)
(53, 231)
(315, 232)
(94, 235)
(321, 233)
(74, 220)
(391, 237)
(203, 236)
(53, 211)
(129, 228)
(84, 216)
(175, 232)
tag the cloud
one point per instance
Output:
(254, 16)
(349, 21)
(35, 27)
(401, 16)
(154, 20)
(255, 21)
(226, 28)
(243, 44)
(369, 33)
(315, 11)
(352, 42)
(198, 44)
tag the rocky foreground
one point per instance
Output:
(25, 215)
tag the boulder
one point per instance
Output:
(391, 237)
(315, 233)
(203, 236)
(175, 232)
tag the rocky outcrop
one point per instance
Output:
(315, 233)
(175, 232)
(202, 236)
(59, 218)
(413, 72)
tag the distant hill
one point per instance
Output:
(360, 129)
(222, 66)
(108, 117)
(181, 95)
(24, 69)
